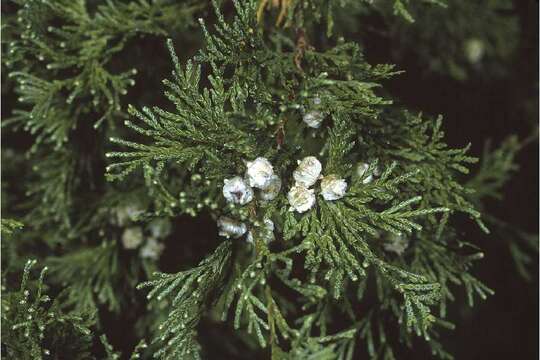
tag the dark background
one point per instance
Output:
(506, 324)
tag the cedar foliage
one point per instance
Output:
(112, 160)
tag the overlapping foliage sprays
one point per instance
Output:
(333, 206)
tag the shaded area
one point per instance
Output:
(506, 325)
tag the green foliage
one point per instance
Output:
(66, 64)
(111, 354)
(496, 168)
(83, 46)
(350, 277)
(8, 226)
(34, 326)
(337, 234)
(303, 13)
(321, 347)
(457, 30)
(52, 189)
(95, 270)
(187, 292)
(423, 148)
(198, 129)
(339, 239)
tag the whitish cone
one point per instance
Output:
(313, 118)
(132, 237)
(259, 173)
(237, 191)
(333, 188)
(301, 198)
(152, 249)
(308, 171)
(272, 190)
(231, 228)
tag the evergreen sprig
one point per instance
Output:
(377, 261)
(34, 326)
(339, 239)
(81, 43)
(95, 275)
(187, 293)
